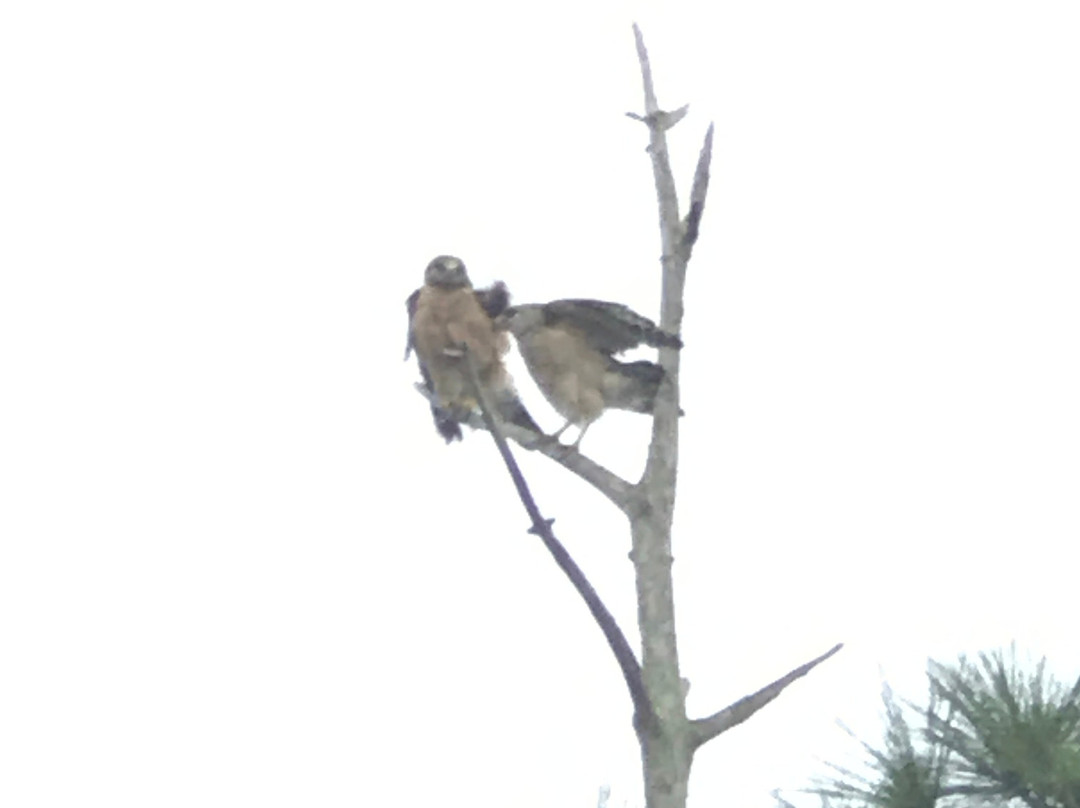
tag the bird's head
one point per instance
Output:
(521, 319)
(446, 271)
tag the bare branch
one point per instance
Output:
(705, 729)
(676, 241)
(676, 237)
(646, 72)
(644, 717)
(665, 182)
(611, 485)
(692, 223)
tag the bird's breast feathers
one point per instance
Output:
(567, 370)
(446, 319)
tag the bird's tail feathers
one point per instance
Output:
(636, 385)
(445, 422)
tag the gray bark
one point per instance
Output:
(666, 752)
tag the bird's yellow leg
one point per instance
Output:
(576, 444)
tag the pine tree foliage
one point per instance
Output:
(902, 772)
(1015, 734)
(992, 734)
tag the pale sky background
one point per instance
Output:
(238, 566)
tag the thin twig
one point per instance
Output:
(705, 729)
(644, 717)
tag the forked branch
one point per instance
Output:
(644, 717)
(677, 239)
(611, 485)
(705, 729)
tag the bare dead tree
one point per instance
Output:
(668, 737)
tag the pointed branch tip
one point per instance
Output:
(646, 72)
(692, 223)
(705, 729)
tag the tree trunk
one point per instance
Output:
(666, 750)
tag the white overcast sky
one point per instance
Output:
(238, 566)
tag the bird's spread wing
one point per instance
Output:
(608, 327)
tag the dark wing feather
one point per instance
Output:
(609, 327)
(445, 423)
(447, 426)
(494, 299)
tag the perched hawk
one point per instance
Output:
(569, 347)
(446, 315)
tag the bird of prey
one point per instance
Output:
(569, 347)
(446, 317)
